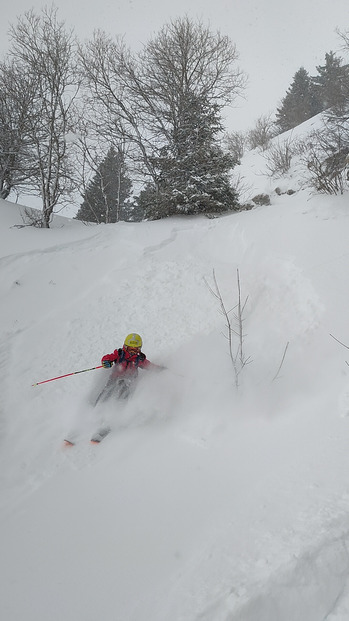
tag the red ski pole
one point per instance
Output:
(66, 375)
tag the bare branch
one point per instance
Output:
(238, 359)
(340, 342)
(281, 363)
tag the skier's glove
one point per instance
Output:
(106, 364)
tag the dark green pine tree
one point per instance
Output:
(300, 102)
(106, 196)
(193, 170)
(332, 83)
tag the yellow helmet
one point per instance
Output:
(133, 340)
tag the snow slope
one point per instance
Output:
(204, 503)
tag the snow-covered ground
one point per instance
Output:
(204, 503)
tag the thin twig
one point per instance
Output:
(237, 359)
(340, 342)
(239, 318)
(229, 326)
(282, 362)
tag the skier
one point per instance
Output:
(125, 362)
(130, 357)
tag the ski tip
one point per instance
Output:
(68, 443)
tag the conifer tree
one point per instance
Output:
(106, 196)
(300, 102)
(193, 170)
(332, 82)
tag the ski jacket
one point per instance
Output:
(128, 364)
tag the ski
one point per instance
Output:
(68, 443)
(96, 438)
(100, 435)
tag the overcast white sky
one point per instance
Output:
(274, 37)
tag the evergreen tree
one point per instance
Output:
(106, 196)
(193, 171)
(300, 102)
(332, 83)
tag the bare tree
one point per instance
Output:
(185, 62)
(15, 101)
(43, 53)
(326, 157)
(87, 163)
(103, 181)
(100, 128)
(279, 157)
(148, 97)
(108, 72)
(235, 143)
(262, 133)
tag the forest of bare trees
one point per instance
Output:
(64, 105)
